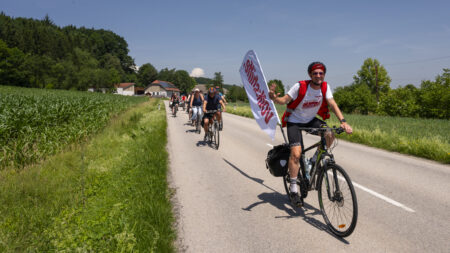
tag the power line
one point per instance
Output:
(418, 61)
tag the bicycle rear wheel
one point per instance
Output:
(216, 135)
(337, 200)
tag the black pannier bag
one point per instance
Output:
(277, 160)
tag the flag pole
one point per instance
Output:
(282, 132)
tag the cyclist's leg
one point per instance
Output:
(206, 123)
(194, 113)
(329, 136)
(295, 140)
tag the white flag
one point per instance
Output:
(258, 94)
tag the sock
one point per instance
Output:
(293, 186)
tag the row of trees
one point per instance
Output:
(370, 93)
(37, 53)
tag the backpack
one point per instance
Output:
(323, 110)
(277, 160)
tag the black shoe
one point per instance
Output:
(296, 200)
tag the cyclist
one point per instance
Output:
(196, 103)
(306, 99)
(188, 101)
(211, 102)
(175, 99)
(219, 113)
(183, 101)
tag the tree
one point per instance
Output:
(236, 93)
(399, 102)
(166, 74)
(355, 99)
(12, 69)
(435, 96)
(183, 81)
(218, 80)
(147, 74)
(374, 76)
(280, 86)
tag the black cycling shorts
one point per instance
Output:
(295, 135)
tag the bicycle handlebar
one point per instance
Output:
(335, 129)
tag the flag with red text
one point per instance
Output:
(258, 94)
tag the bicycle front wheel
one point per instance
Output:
(337, 200)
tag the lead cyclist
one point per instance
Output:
(304, 115)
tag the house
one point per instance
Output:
(161, 89)
(127, 89)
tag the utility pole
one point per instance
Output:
(376, 82)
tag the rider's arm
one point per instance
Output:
(204, 105)
(190, 102)
(275, 96)
(334, 107)
(223, 105)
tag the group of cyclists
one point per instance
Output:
(198, 106)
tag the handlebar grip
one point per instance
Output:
(340, 130)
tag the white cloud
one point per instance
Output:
(197, 72)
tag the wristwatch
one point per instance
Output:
(343, 120)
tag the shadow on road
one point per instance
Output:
(281, 202)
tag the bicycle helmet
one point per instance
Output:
(317, 65)
(211, 90)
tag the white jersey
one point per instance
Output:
(309, 106)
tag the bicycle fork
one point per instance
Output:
(336, 195)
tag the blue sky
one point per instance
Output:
(410, 38)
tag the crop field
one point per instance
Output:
(35, 123)
(427, 138)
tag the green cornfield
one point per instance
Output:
(35, 123)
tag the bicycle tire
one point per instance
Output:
(198, 121)
(212, 136)
(217, 135)
(335, 210)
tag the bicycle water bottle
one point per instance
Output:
(308, 166)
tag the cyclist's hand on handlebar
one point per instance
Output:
(272, 93)
(348, 129)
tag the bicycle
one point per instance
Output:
(174, 113)
(337, 189)
(213, 136)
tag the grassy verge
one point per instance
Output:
(107, 195)
(427, 138)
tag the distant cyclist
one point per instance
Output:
(211, 102)
(175, 99)
(222, 97)
(306, 99)
(188, 101)
(196, 105)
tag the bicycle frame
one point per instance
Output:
(316, 169)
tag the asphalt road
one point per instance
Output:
(227, 201)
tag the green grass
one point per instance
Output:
(427, 138)
(109, 194)
(35, 123)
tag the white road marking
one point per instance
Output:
(374, 193)
(381, 196)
